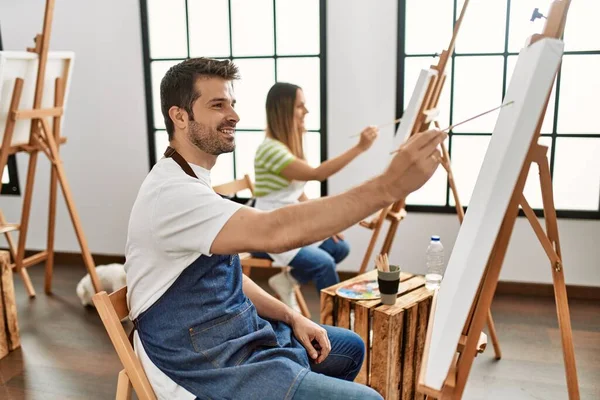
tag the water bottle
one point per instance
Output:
(435, 263)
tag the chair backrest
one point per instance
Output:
(233, 187)
(112, 310)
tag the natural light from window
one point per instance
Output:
(492, 33)
(269, 40)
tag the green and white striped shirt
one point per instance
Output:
(271, 158)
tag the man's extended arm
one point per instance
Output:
(310, 221)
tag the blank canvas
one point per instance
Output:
(23, 64)
(414, 105)
(514, 131)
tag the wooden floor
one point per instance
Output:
(66, 354)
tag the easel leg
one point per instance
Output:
(58, 102)
(57, 165)
(4, 150)
(51, 230)
(493, 336)
(374, 236)
(560, 290)
(391, 233)
(25, 213)
(13, 253)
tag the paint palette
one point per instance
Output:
(367, 289)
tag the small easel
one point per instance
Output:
(47, 140)
(455, 382)
(397, 212)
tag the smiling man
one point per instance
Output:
(202, 328)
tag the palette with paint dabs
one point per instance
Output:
(367, 289)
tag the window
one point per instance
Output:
(269, 40)
(478, 75)
(8, 177)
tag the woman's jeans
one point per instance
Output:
(317, 264)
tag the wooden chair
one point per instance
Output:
(247, 260)
(112, 309)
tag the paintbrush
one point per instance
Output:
(469, 119)
(380, 126)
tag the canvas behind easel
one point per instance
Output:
(22, 64)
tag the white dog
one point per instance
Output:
(112, 277)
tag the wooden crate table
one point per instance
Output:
(9, 329)
(394, 350)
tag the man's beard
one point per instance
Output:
(210, 141)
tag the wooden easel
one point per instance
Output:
(427, 110)
(47, 140)
(397, 212)
(455, 382)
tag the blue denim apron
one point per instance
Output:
(206, 335)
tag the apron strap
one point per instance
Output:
(169, 153)
(172, 153)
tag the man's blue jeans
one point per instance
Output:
(317, 263)
(332, 379)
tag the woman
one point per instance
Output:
(281, 172)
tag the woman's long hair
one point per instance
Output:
(281, 124)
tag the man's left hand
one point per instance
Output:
(312, 336)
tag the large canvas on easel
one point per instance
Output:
(514, 131)
(414, 104)
(23, 64)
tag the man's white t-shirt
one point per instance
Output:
(174, 220)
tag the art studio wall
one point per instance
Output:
(106, 156)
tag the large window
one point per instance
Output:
(491, 35)
(269, 40)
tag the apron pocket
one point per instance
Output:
(223, 341)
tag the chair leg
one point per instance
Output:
(301, 302)
(123, 386)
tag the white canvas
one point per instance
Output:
(515, 128)
(414, 105)
(22, 64)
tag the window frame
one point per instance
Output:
(12, 186)
(322, 55)
(400, 87)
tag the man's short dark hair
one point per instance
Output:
(177, 87)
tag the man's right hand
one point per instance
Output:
(413, 165)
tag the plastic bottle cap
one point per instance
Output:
(435, 238)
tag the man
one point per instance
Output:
(203, 329)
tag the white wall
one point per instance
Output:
(361, 42)
(106, 157)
